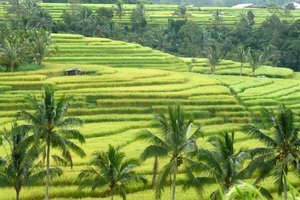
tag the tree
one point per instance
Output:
(28, 14)
(192, 37)
(241, 56)
(138, 18)
(12, 52)
(110, 169)
(175, 140)
(223, 163)
(19, 166)
(282, 146)
(39, 45)
(120, 10)
(42, 20)
(85, 17)
(255, 59)
(250, 18)
(51, 128)
(105, 14)
(214, 55)
(181, 11)
(271, 55)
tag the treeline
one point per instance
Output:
(222, 2)
(182, 2)
(236, 173)
(187, 38)
(102, 1)
(275, 39)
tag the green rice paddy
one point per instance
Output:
(124, 85)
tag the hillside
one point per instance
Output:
(76, 49)
(159, 14)
(124, 86)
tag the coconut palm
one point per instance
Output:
(110, 169)
(174, 141)
(223, 163)
(39, 45)
(18, 167)
(256, 59)
(214, 55)
(51, 128)
(282, 146)
(241, 56)
(12, 53)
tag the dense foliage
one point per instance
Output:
(222, 2)
(102, 1)
(25, 36)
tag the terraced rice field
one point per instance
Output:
(228, 67)
(76, 49)
(117, 103)
(256, 93)
(159, 14)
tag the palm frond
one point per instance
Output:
(28, 117)
(255, 132)
(70, 122)
(151, 137)
(264, 192)
(154, 151)
(73, 134)
(162, 179)
(53, 171)
(196, 182)
(59, 160)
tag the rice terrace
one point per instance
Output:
(150, 99)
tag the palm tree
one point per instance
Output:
(51, 128)
(214, 55)
(110, 169)
(12, 53)
(241, 56)
(40, 41)
(282, 146)
(255, 59)
(18, 167)
(181, 11)
(223, 163)
(120, 11)
(174, 141)
(85, 18)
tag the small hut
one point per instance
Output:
(72, 72)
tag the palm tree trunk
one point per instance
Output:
(241, 69)
(155, 170)
(18, 193)
(213, 69)
(112, 195)
(174, 183)
(285, 195)
(47, 171)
